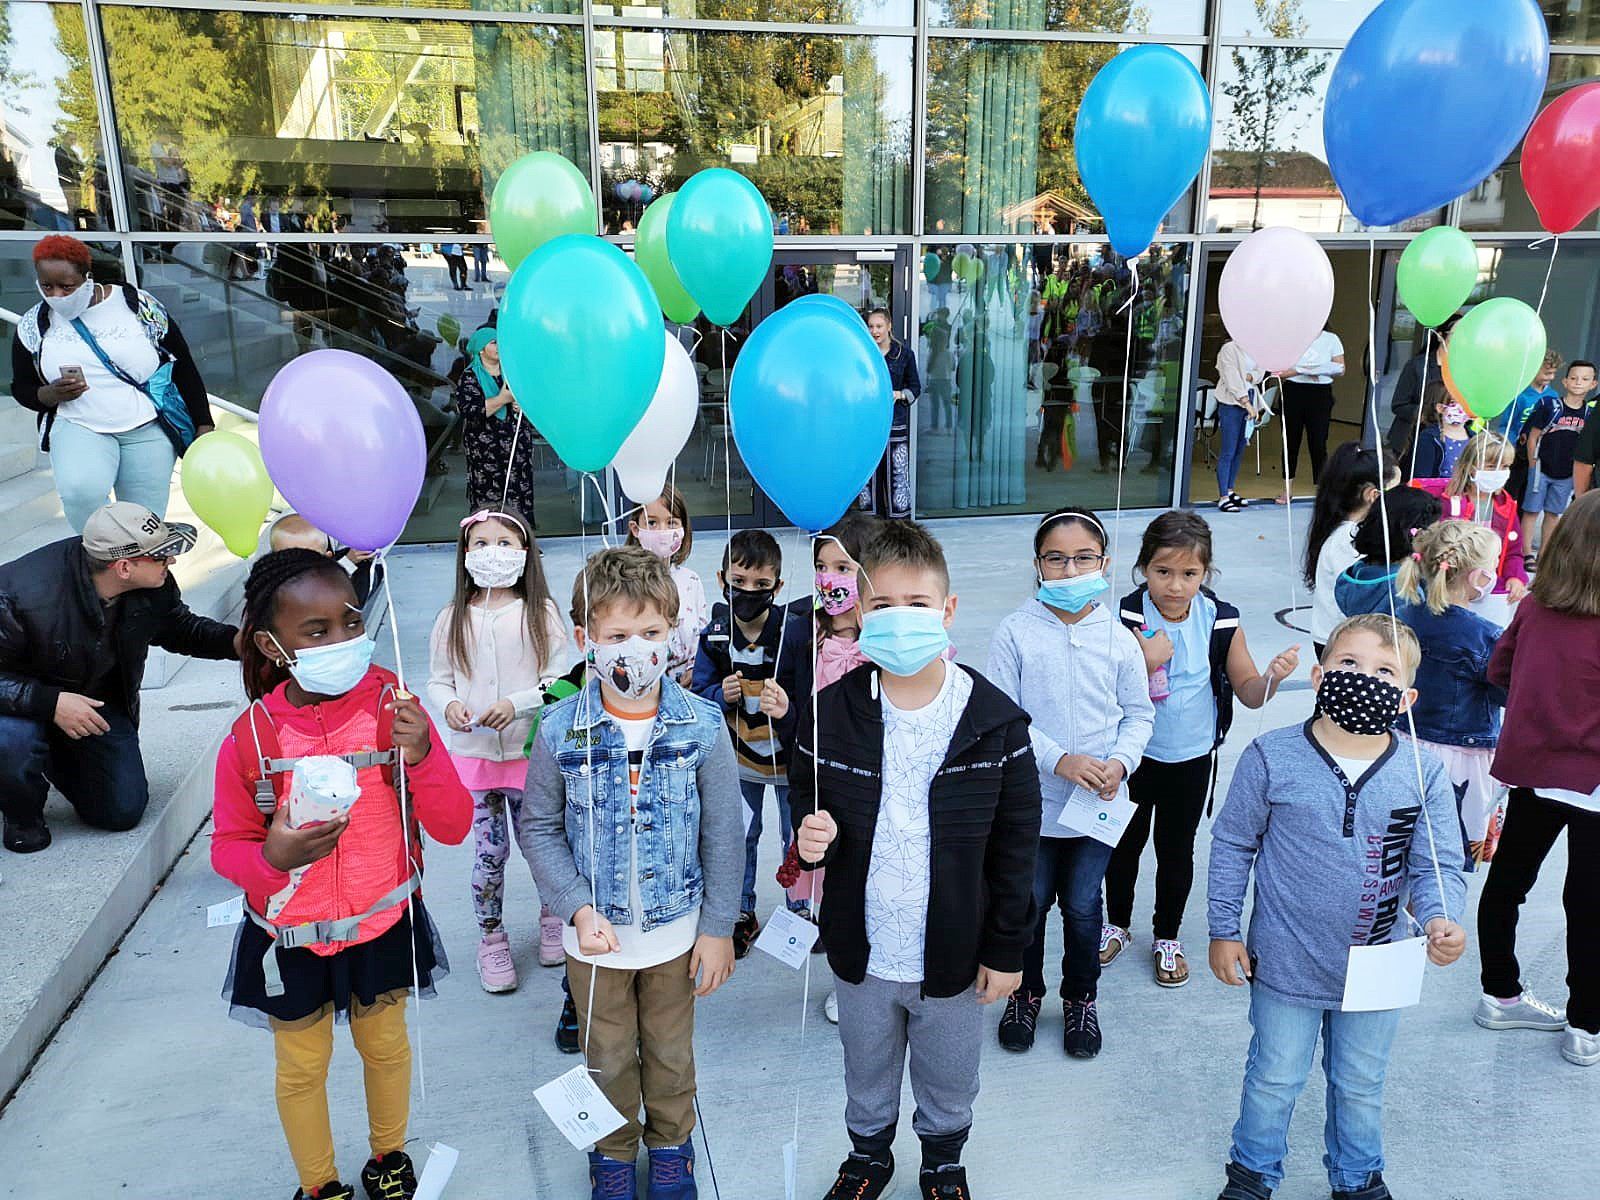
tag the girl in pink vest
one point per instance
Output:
(336, 928)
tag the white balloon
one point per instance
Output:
(1275, 295)
(642, 462)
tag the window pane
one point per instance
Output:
(828, 12)
(51, 172)
(1022, 359)
(1573, 22)
(822, 125)
(1160, 17)
(358, 125)
(999, 140)
(1318, 19)
(559, 7)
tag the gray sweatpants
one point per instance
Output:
(878, 1023)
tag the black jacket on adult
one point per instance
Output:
(984, 819)
(1408, 392)
(50, 623)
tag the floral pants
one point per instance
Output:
(491, 837)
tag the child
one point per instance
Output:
(636, 939)
(1197, 641)
(1514, 426)
(307, 669)
(1346, 492)
(490, 647)
(366, 574)
(1081, 679)
(1327, 816)
(662, 527)
(738, 667)
(918, 793)
(1367, 585)
(1480, 491)
(1552, 437)
(1549, 752)
(1443, 435)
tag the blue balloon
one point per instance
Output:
(829, 303)
(1463, 81)
(811, 406)
(1143, 131)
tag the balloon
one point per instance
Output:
(226, 483)
(1437, 273)
(449, 329)
(641, 463)
(930, 266)
(343, 442)
(810, 405)
(650, 252)
(581, 345)
(541, 196)
(1142, 134)
(1561, 159)
(1467, 76)
(719, 234)
(1449, 379)
(830, 303)
(629, 190)
(646, 193)
(620, 189)
(1494, 350)
(1275, 294)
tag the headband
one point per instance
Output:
(490, 514)
(1068, 516)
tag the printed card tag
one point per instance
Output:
(1086, 814)
(791, 1156)
(579, 1108)
(1379, 978)
(787, 937)
(436, 1171)
(229, 912)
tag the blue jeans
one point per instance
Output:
(88, 466)
(1068, 871)
(755, 799)
(1230, 421)
(1355, 1056)
(102, 777)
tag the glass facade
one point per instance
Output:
(290, 174)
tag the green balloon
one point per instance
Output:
(650, 252)
(449, 329)
(541, 196)
(1437, 273)
(1494, 351)
(226, 483)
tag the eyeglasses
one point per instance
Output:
(1059, 562)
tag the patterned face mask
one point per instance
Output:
(836, 592)
(496, 566)
(1357, 703)
(633, 667)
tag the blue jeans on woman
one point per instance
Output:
(137, 463)
(1355, 1058)
(1068, 871)
(1230, 422)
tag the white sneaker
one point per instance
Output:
(1529, 1012)
(830, 1007)
(1580, 1047)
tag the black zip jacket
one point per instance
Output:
(984, 817)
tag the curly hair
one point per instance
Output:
(58, 247)
(270, 575)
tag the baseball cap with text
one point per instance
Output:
(126, 530)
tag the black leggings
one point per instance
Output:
(1174, 795)
(1307, 410)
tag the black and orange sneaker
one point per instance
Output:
(948, 1182)
(332, 1190)
(861, 1178)
(745, 930)
(391, 1177)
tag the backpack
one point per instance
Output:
(270, 774)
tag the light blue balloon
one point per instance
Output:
(1466, 78)
(581, 346)
(719, 239)
(1142, 134)
(830, 303)
(811, 407)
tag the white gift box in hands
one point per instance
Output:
(323, 787)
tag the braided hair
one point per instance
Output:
(267, 578)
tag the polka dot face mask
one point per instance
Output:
(1357, 703)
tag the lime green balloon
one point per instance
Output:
(541, 196)
(1437, 273)
(226, 483)
(449, 330)
(650, 252)
(1494, 351)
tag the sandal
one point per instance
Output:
(1172, 968)
(1113, 941)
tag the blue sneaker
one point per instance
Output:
(672, 1173)
(610, 1179)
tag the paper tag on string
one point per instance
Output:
(788, 937)
(791, 1157)
(1380, 978)
(229, 912)
(436, 1171)
(1086, 814)
(579, 1108)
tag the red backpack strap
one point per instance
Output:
(255, 743)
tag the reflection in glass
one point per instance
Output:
(1320, 20)
(232, 121)
(1160, 17)
(1572, 22)
(558, 7)
(821, 124)
(794, 12)
(1023, 352)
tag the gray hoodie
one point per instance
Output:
(1084, 688)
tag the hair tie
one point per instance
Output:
(1416, 556)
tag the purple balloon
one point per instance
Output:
(344, 444)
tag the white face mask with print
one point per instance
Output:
(633, 667)
(496, 566)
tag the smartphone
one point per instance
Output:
(73, 373)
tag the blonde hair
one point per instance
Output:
(628, 575)
(1569, 566)
(1486, 451)
(1390, 632)
(1441, 555)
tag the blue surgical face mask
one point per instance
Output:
(330, 670)
(1074, 594)
(903, 640)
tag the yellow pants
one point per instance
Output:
(304, 1050)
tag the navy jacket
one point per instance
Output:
(1456, 703)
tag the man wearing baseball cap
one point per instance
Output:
(77, 619)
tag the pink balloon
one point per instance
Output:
(1276, 293)
(344, 444)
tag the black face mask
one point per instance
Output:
(748, 604)
(1357, 703)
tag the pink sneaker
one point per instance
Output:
(551, 952)
(496, 971)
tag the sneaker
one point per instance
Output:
(390, 1177)
(1238, 499)
(1019, 1021)
(672, 1173)
(1244, 1184)
(830, 1008)
(745, 930)
(861, 1178)
(1228, 505)
(610, 1179)
(1082, 1036)
(567, 1028)
(551, 952)
(1376, 1189)
(949, 1182)
(496, 971)
(332, 1190)
(26, 837)
(1172, 968)
(1113, 941)
(1580, 1047)
(1529, 1012)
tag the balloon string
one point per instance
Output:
(727, 458)
(1122, 465)
(505, 490)
(1422, 397)
(1555, 247)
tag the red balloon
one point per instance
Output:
(1561, 159)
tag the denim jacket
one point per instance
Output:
(687, 819)
(1456, 704)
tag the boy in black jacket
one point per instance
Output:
(921, 799)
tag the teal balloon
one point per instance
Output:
(719, 237)
(540, 197)
(581, 346)
(930, 266)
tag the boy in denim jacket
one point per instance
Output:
(631, 824)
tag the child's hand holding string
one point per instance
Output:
(411, 735)
(595, 935)
(1447, 941)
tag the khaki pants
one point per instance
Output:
(641, 1044)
